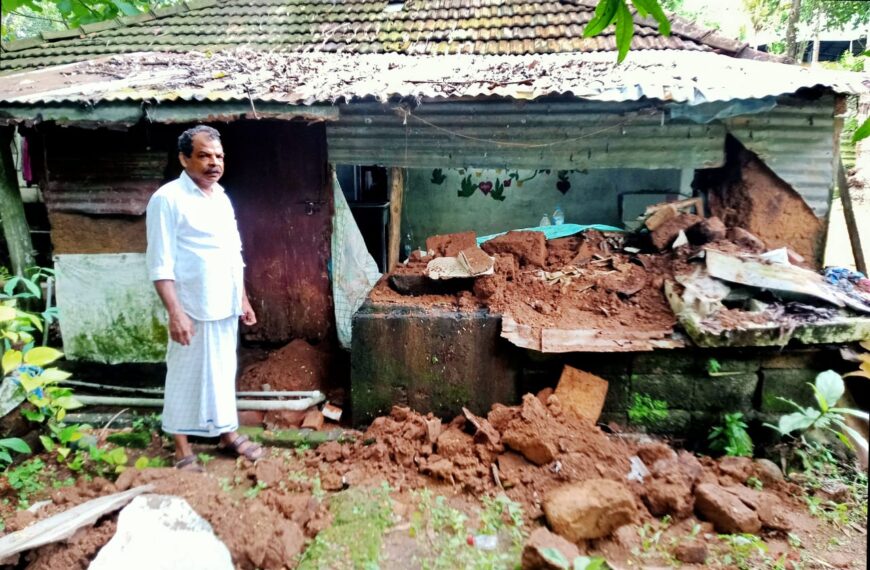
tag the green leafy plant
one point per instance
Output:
(25, 480)
(648, 411)
(8, 445)
(828, 389)
(732, 437)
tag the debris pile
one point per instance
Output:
(616, 291)
(585, 484)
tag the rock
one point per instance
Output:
(484, 432)
(835, 491)
(591, 509)
(523, 435)
(746, 240)
(331, 482)
(476, 260)
(769, 508)
(651, 453)
(707, 230)
(738, 468)
(693, 552)
(331, 451)
(511, 466)
(727, 512)
(660, 216)
(581, 394)
(530, 248)
(268, 471)
(449, 245)
(535, 556)
(283, 419)
(544, 395)
(251, 417)
(433, 429)
(665, 234)
(768, 472)
(453, 443)
(669, 494)
(183, 539)
(313, 420)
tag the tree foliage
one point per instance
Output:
(772, 16)
(26, 17)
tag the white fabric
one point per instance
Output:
(200, 397)
(354, 271)
(193, 240)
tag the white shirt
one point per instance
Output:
(193, 239)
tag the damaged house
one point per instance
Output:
(443, 123)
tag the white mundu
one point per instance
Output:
(193, 240)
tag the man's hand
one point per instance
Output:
(181, 328)
(248, 316)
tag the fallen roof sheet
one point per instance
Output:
(312, 78)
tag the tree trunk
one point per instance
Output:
(791, 43)
(15, 228)
(817, 41)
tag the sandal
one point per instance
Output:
(189, 463)
(252, 452)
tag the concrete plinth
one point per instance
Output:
(431, 359)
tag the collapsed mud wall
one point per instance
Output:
(747, 193)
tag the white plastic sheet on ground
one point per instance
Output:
(354, 271)
(109, 311)
(162, 532)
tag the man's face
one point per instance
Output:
(205, 165)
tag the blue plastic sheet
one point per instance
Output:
(557, 231)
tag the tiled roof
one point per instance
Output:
(417, 27)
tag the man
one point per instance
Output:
(195, 261)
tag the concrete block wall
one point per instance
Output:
(748, 380)
(439, 360)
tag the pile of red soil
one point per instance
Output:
(530, 449)
(296, 366)
(586, 281)
(267, 531)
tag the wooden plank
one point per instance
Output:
(397, 190)
(851, 220)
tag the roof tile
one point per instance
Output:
(434, 26)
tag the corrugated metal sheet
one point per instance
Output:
(796, 140)
(576, 135)
(315, 78)
(108, 182)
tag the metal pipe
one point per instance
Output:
(300, 404)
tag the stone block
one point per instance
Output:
(724, 393)
(786, 383)
(666, 362)
(675, 389)
(582, 394)
(617, 394)
(678, 422)
(429, 359)
(810, 358)
(590, 509)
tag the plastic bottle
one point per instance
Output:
(545, 221)
(558, 216)
(406, 249)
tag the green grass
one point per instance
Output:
(360, 518)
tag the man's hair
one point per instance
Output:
(185, 141)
